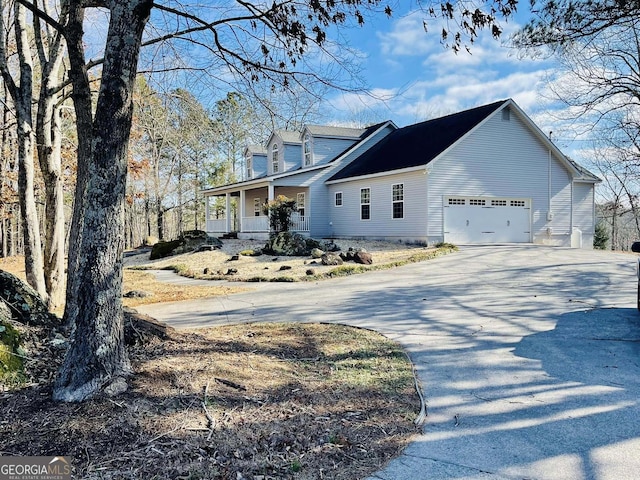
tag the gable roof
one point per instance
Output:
(289, 136)
(586, 174)
(416, 144)
(329, 131)
(256, 150)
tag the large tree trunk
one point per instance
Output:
(96, 359)
(84, 124)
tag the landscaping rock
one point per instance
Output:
(316, 253)
(189, 241)
(310, 271)
(234, 258)
(285, 267)
(137, 294)
(331, 259)
(251, 253)
(295, 245)
(363, 258)
(24, 303)
(232, 271)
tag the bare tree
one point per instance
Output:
(50, 47)
(257, 41)
(21, 92)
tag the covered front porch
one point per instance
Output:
(241, 210)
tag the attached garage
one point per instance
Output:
(486, 219)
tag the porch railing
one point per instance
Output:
(255, 224)
(300, 224)
(258, 224)
(217, 225)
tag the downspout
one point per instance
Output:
(549, 211)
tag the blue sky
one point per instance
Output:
(421, 79)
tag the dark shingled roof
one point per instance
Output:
(417, 144)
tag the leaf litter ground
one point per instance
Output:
(252, 401)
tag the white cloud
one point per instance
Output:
(406, 38)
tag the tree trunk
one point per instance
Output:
(84, 124)
(23, 101)
(49, 140)
(96, 359)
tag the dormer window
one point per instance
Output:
(275, 158)
(306, 149)
(249, 166)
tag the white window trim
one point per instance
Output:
(361, 204)
(249, 167)
(393, 202)
(275, 162)
(306, 144)
(304, 202)
(335, 200)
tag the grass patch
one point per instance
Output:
(168, 292)
(348, 269)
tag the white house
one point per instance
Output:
(485, 175)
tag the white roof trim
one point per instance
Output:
(265, 181)
(379, 174)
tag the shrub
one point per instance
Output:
(280, 211)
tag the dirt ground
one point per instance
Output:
(254, 401)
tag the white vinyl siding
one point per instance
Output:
(253, 201)
(291, 157)
(258, 165)
(502, 159)
(326, 149)
(583, 212)
(346, 219)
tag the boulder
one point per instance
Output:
(24, 303)
(294, 245)
(137, 294)
(284, 267)
(316, 253)
(189, 241)
(363, 258)
(331, 258)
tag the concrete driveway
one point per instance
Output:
(529, 356)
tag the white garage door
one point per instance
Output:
(486, 220)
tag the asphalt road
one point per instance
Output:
(529, 356)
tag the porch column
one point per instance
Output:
(272, 193)
(206, 213)
(227, 213)
(242, 206)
